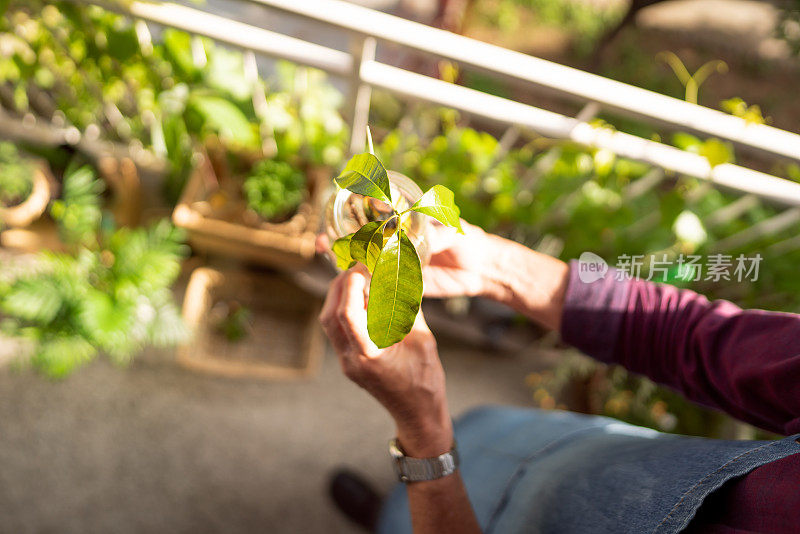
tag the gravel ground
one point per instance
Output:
(154, 448)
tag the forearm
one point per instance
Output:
(437, 506)
(745, 362)
(532, 283)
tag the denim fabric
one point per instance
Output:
(534, 471)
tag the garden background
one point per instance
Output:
(160, 364)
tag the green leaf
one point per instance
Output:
(367, 243)
(395, 292)
(58, 356)
(223, 117)
(365, 174)
(225, 72)
(341, 248)
(38, 300)
(178, 46)
(438, 202)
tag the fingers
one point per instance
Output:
(352, 311)
(328, 319)
(322, 244)
(440, 237)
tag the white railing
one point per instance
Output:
(366, 27)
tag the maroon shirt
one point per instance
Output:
(745, 362)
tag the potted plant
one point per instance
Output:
(242, 205)
(250, 324)
(108, 293)
(387, 235)
(118, 194)
(25, 188)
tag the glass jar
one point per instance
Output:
(346, 212)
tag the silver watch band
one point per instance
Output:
(422, 469)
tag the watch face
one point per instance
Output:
(394, 450)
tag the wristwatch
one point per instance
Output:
(422, 469)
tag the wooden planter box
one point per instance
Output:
(125, 188)
(31, 230)
(284, 342)
(229, 232)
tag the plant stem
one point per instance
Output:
(369, 142)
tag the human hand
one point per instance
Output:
(460, 264)
(406, 378)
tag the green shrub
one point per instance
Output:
(78, 210)
(16, 176)
(111, 294)
(274, 188)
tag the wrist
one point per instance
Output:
(496, 285)
(426, 439)
(530, 282)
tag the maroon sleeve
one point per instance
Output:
(745, 362)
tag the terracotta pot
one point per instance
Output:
(33, 207)
(31, 230)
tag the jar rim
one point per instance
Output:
(400, 181)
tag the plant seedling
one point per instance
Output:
(395, 291)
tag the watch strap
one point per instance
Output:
(422, 469)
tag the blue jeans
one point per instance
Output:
(528, 470)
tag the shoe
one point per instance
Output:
(355, 498)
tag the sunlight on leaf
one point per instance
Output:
(367, 243)
(438, 202)
(395, 292)
(341, 248)
(365, 174)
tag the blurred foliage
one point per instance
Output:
(692, 82)
(788, 26)
(16, 175)
(584, 21)
(613, 392)
(739, 108)
(563, 199)
(78, 210)
(235, 324)
(96, 70)
(110, 293)
(82, 66)
(274, 188)
(64, 59)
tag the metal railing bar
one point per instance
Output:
(644, 184)
(40, 132)
(360, 93)
(567, 81)
(588, 112)
(768, 227)
(435, 91)
(552, 124)
(784, 247)
(732, 211)
(239, 34)
(540, 167)
(767, 187)
(499, 109)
